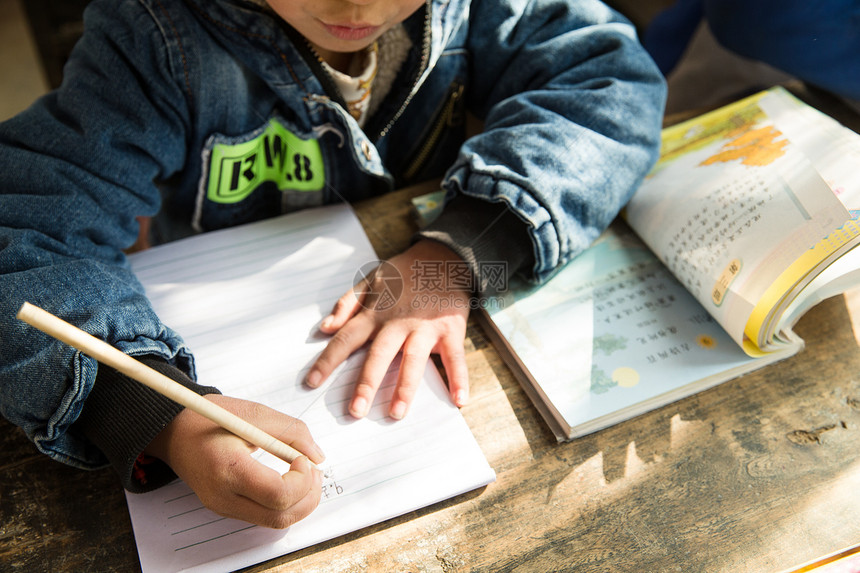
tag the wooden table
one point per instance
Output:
(759, 474)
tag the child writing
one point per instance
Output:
(206, 114)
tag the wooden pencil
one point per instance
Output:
(107, 354)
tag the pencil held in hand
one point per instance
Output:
(107, 354)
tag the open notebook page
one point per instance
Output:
(248, 301)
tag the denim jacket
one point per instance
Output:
(212, 113)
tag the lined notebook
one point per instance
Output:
(248, 301)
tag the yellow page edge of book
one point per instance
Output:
(763, 312)
(705, 121)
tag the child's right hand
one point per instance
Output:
(218, 465)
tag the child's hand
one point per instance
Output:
(218, 465)
(428, 316)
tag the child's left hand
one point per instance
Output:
(428, 319)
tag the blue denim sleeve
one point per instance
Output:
(76, 168)
(572, 107)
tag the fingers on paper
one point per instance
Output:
(345, 341)
(262, 496)
(416, 353)
(453, 357)
(274, 500)
(345, 308)
(379, 358)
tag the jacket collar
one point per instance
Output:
(244, 16)
(263, 42)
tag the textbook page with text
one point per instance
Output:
(739, 209)
(748, 219)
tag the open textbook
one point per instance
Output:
(248, 301)
(748, 219)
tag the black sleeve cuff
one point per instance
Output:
(122, 416)
(493, 240)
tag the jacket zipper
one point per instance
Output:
(314, 61)
(447, 118)
(425, 60)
